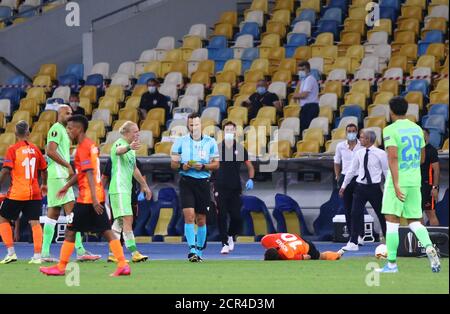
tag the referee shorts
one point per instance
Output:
(195, 193)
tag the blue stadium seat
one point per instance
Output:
(215, 43)
(248, 56)
(168, 206)
(249, 28)
(145, 77)
(332, 14)
(13, 94)
(323, 225)
(76, 69)
(355, 111)
(69, 80)
(419, 86)
(256, 216)
(5, 12)
(222, 56)
(289, 216)
(328, 26)
(390, 4)
(433, 36)
(27, 11)
(439, 109)
(306, 15)
(316, 74)
(220, 102)
(296, 40)
(435, 139)
(442, 210)
(342, 4)
(94, 80)
(145, 211)
(389, 13)
(19, 81)
(434, 122)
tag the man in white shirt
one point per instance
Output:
(308, 95)
(343, 158)
(369, 165)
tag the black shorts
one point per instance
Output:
(428, 202)
(31, 210)
(84, 219)
(195, 193)
(313, 252)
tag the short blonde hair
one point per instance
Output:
(126, 127)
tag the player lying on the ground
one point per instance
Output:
(287, 246)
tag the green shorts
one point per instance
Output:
(54, 185)
(121, 205)
(411, 208)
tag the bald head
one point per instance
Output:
(64, 113)
(22, 129)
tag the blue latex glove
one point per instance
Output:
(249, 185)
(141, 197)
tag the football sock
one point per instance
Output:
(49, 231)
(37, 238)
(392, 241)
(421, 233)
(189, 233)
(201, 239)
(7, 237)
(331, 256)
(130, 242)
(79, 244)
(64, 257)
(117, 250)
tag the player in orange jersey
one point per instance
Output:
(287, 246)
(89, 213)
(22, 162)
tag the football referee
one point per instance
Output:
(195, 155)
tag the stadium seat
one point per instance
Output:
(257, 221)
(292, 123)
(289, 216)
(98, 127)
(151, 125)
(307, 147)
(314, 134)
(280, 149)
(285, 135)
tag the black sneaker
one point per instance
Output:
(199, 259)
(192, 257)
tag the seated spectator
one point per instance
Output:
(262, 97)
(153, 99)
(74, 102)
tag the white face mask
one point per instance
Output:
(229, 136)
(152, 89)
(301, 75)
(74, 104)
(351, 136)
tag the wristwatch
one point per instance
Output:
(435, 187)
(203, 167)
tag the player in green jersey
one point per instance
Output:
(405, 144)
(123, 169)
(59, 171)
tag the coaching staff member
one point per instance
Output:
(227, 186)
(430, 180)
(195, 155)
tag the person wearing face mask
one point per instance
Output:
(307, 95)
(227, 186)
(343, 158)
(262, 97)
(74, 103)
(195, 156)
(153, 99)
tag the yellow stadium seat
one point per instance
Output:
(201, 77)
(275, 28)
(89, 92)
(3, 147)
(262, 123)
(409, 51)
(338, 134)
(153, 67)
(94, 136)
(356, 98)
(389, 86)
(139, 90)
(86, 105)
(324, 39)
(38, 139)
(291, 111)
(7, 139)
(333, 87)
(48, 69)
(233, 65)
(253, 76)
(415, 97)
(129, 114)
(443, 85)
(41, 126)
(43, 81)
(281, 16)
(402, 38)
(157, 114)
(227, 77)
(267, 112)
(133, 102)
(178, 66)
(445, 145)
(399, 62)
(326, 112)
(109, 103)
(411, 12)
(229, 17)
(435, 23)
(437, 50)
(354, 25)
(260, 65)
(247, 89)
(239, 99)
(384, 25)
(98, 127)
(105, 149)
(49, 116)
(314, 134)
(379, 122)
(358, 12)
(29, 105)
(117, 124)
(284, 5)
(280, 149)
(361, 87)
(276, 54)
(427, 61)
(309, 4)
(224, 29)
(408, 25)
(151, 125)
(303, 53)
(163, 148)
(270, 41)
(142, 151)
(282, 76)
(221, 89)
(206, 66)
(235, 112)
(22, 115)
(10, 127)
(288, 65)
(19, 20)
(307, 147)
(37, 93)
(259, 5)
(382, 98)
(347, 40)
(115, 91)
(439, 97)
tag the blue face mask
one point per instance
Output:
(302, 75)
(261, 90)
(351, 136)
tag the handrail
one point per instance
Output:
(3, 60)
(35, 8)
(135, 4)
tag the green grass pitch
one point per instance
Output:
(232, 277)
